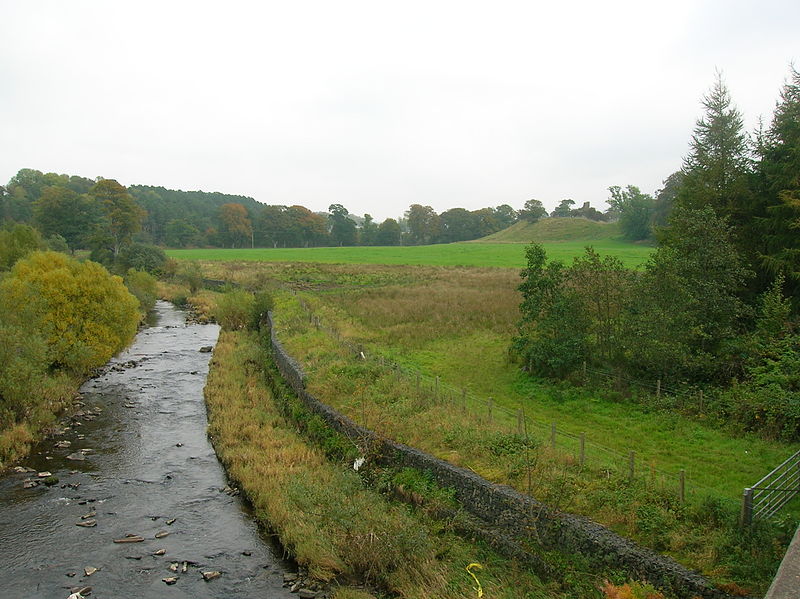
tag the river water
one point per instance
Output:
(149, 462)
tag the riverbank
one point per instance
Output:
(17, 440)
(60, 319)
(340, 530)
(138, 462)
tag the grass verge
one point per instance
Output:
(322, 512)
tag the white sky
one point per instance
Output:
(377, 105)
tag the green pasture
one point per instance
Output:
(503, 255)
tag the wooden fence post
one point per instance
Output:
(464, 400)
(682, 486)
(527, 449)
(519, 422)
(658, 388)
(583, 449)
(490, 410)
(631, 463)
(747, 507)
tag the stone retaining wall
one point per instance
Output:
(511, 513)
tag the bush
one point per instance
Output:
(17, 242)
(191, 274)
(235, 310)
(170, 268)
(143, 257)
(84, 314)
(769, 402)
(57, 243)
(263, 302)
(23, 370)
(144, 288)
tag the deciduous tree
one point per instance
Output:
(343, 228)
(635, 211)
(423, 224)
(564, 208)
(388, 233)
(237, 228)
(124, 216)
(61, 211)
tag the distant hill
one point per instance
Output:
(554, 230)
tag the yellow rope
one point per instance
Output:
(476, 566)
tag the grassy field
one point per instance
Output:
(455, 323)
(503, 255)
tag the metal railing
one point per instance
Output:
(772, 492)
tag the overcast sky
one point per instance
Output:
(377, 105)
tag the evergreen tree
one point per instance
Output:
(717, 167)
(778, 230)
(665, 199)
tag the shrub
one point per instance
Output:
(235, 310)
(263, 302)
(769, 402)
(144, 288)
(56, 243)
(84, 314)
(143, 257)
(23, 368)
(170, 268)
(17, 242)
(191, 274)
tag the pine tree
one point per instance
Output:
(779, 170)
(717, 167)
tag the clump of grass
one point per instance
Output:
(49, 397)
(234, 310)
(15, 443)
(322, 512)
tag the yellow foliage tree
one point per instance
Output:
(84, 313)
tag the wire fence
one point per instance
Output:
(574, 448)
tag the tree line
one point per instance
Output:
(716, 307)
(103, 216)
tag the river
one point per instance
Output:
(147, 461)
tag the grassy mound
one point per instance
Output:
(554, 230)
